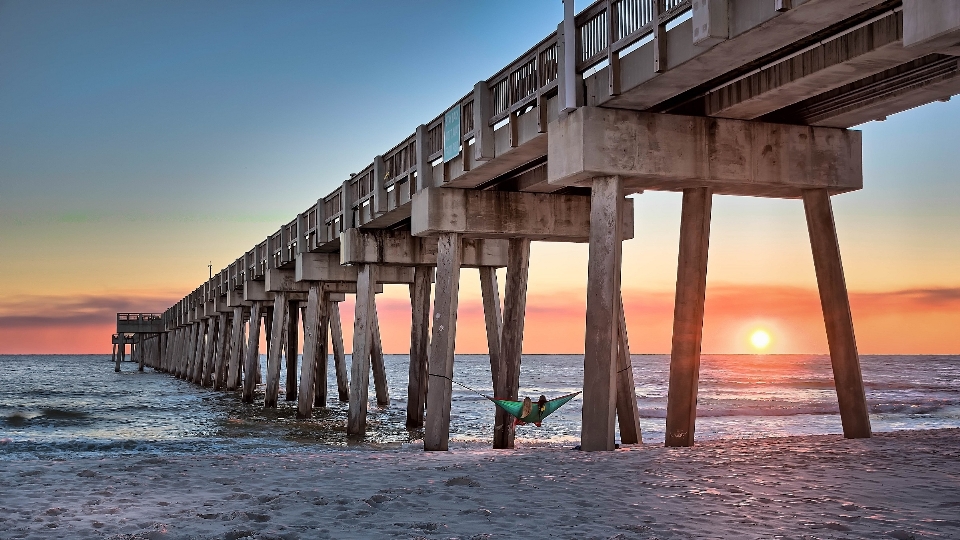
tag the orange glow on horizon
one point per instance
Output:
(896, 322)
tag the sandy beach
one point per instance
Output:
(896, 485)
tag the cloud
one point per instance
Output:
(33, 311)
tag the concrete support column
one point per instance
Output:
(493, 321)
(688, 316)
(847, 377)
(275, 349)
(311, 346)
(339, 356)
(603, 298)
(161, 351)
(121, 351)
(140, 352)
(252, 356)
(293, 327)
(320, 360)
(236, 345)
(197, 370)
(186, 341)
(220, 356)
(376, 362)
(511, 339)
(419, 343)
(440, 390)
(189, 352)
(210, 345)
(362, 337)
(176, 351)
(628, 415)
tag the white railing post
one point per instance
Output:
(567, 61)
(379, 204)
(483, 144)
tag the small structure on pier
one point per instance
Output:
(726, 97)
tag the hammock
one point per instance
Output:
(515, 408)
(537, 412)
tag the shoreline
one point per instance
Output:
(903, 484)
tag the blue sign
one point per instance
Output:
(451, 134)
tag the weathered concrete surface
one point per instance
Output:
(277, 280)
(688, 316)
(837, 317)
(601, 344)
(672, 153)
(326, 267)
(383, 247)
(848, 58)
(756, 29)
(504, 214)
(932, 24)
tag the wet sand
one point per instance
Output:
(895, 485)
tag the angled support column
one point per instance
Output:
(628, 415)
(197, 366)
(252, 356)
(440, 390)
(311, 346)
(187, 347)
(847, 377)
(275, 350)
(419, 343)
(339, 357)
(511, 339)
(362, 336)
(688, 316)
(376, 362)
(220, 358)
(598, 430)
(141, 357)
(320, 362)
(121, 351)
(206, 374)
(236, 346)
(293, 327)
(493, 319)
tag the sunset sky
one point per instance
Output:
(140, 141)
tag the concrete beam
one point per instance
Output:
(732, 157)
(755, 29)
(932, 24)
(326, 267)
(834, 63)
(255, 291)
(277, 280)
(235, 298)
(383, 247)
(506, 214)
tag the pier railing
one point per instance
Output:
(603, 31)
(130, 323)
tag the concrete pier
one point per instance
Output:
(726, 97)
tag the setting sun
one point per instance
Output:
(760, 339)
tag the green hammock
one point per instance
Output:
(537, 413)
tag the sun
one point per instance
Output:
(760, 339)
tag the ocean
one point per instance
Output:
(58, 406)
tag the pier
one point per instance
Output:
(747, 98)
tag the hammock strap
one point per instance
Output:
(463, 385)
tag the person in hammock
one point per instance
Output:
(528, 408)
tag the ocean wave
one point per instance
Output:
(805, 409)
(58, 417)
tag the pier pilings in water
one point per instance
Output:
(212, 337)
(699, 156)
